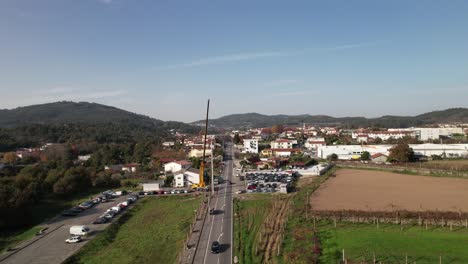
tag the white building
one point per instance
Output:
(187, 178)
(314, 142)
(250, 146)
(349, 152)
(384, 135)
(197, 152)
(152, 186)
(177, 166)
(434, 133)
(427, 133)
(168, 144)
(132, 167)
(84, 157)
(283, 144)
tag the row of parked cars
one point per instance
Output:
(174, 191)
(267, 182)
(115, 210)
(104, 197)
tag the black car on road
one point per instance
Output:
(215, 247)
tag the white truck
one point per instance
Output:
(80, 230)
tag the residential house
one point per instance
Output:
(187, 178)
(131, 167)
(379, 158)
(175, 166)
(314, 142)
(113, 168)
(283, 144)
(84, 157)
(284, 152)
(266, 153)
(197, 152)
(250, 146)
(168, 144)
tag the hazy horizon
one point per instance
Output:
(165, 59)
(202, 115)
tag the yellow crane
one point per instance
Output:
(202, 163)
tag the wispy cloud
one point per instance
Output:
(292, 93)
(279, 83)
(76, 94)
(228, 58)
(238, 57)
(106, 1)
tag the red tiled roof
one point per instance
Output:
(183, 162)
(376, 155)
(286, 149)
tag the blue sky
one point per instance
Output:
(165, 58)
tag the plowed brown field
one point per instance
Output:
(386, 191)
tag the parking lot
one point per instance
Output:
(268, 182)
(50, 247)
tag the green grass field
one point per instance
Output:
(391, 245)
(152, 231)
(250, 215)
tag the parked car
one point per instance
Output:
(215, 247)
(116, 209)
(69, 213)
(100, 220)
(76, 209)
(240, 191)
(86, 205)
(73, 239)
(108, 215)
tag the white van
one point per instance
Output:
(79, 230)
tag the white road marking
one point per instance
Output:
(220, 236)
(211, 229)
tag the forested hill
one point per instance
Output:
(69, 122)
(258, 120)
(71, 112)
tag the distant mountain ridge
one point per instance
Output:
(256, 120)
(67, 112)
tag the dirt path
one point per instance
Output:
(272, 229)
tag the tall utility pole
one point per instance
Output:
(202, 164)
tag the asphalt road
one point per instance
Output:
(51, 248)
(218, 227)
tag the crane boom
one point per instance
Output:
(202, 163)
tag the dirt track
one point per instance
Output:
(386, 191)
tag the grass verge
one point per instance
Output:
(390, 244)
(250, 214)
(152, 231)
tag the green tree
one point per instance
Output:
(401, 153)
(237, 139)
(365, 155)
(332, 157)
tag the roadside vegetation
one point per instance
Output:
(151, 232)
(390, 244)
(250, 213)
